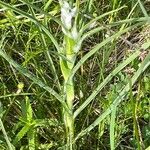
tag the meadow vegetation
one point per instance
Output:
(74, 74)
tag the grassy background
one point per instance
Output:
(32, 118)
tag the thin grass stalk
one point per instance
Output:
(5, 135)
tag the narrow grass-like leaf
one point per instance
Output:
(98, 46)
(88, 34)
(132, 20)
(143, 66)
(50, 61)
(98, 18)
(143, 9)
(42, 12)
(33, 19)
(47, 4)
(106, 80)
(14, 95)
(5, 135)
(33, 78)
(47, 54)
(90, 3)
(129, 15)
(18, 5)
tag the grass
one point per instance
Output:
(74, 76)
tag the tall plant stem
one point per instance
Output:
(69, 121)
(66, 68)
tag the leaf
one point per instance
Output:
(41, 11)
(21, 133)
(98, 18)
(31, 138)
(27, 110)
(143, 9)
(46, 146)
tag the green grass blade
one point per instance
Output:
(50, 62)
(45, 123)
(98, 18)
(106, 80)
(143, 66)
(13, 95)
(33, 78)
(129, 15)
(97, 47)
(132, 20)
(5, 135)
(88, 34)
(90, 3)
(42, 12)
(47, 54)
(143, 9)
(33, 19)
(48, 3)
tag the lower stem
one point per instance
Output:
(69, 121)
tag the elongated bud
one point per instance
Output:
(67, 13)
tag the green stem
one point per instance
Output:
(66, 68)
(69, 118)
(5, 135)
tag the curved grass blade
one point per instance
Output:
(33, 19)
(107, 26)
(97, 47)
(143, 9)
(144, 65)
(132, 20)
(86, 35)
(18, 5)
(98, 18)
(43, 12)
(106, 80)
(5, 135)
(34, 79)
(47, 54)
